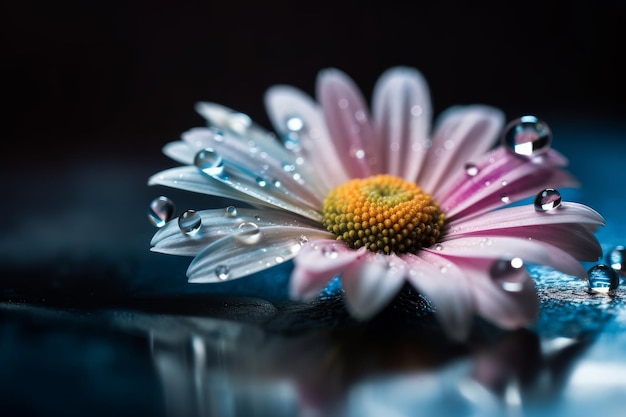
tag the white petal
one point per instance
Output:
(402, 114)
(371, 283)
(236, 256)
(180, 151)
(316, 146)
(189, 178)
(216, 224)
(447, 287)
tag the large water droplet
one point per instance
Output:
(509, 274)
(615, 258)
(230, 211)
(330, 252)
(249, 233)
(209, 162)
(189, 222)
(602, 279)
(471, 169)
(527, 136)
(161, 210)
(222, 272)
(547, 200)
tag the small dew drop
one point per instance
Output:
(509, 274)
(527, 136)
(438, 247)
(257, 217)
(239, 122)
(261, 182)
(222, 272)
(209, 162)
(471, 169)
(231, 211)
(602, 279)
(330, 253)
(615, 258)
(249, 233)
(547, 200)
(303, 239)
(294, 123)
(189, 222)
(357, 153)
(288, 167)
(504, 198)
(161, 210)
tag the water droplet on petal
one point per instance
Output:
(209, 162)
(527, 136)
(189, 222)
(471, 169)
(303, 239)
(547, 200)
(261, 182)
(249, 233)
(509, 274)
(602, 279)
(294, 123)
(287, 167)
(222, 272)
(231, 211)
(330, 252)
(161, 210)
(239, 122)
(505, 198)
(615, 258)
(438, 247)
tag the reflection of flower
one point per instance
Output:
(373, 198)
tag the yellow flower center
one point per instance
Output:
(383, 213)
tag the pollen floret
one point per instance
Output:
(383, 213)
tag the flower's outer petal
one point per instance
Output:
(235, 122)
(180, 152)
(188, 178)
(217, 224)
(570, 227)
(447, 287)
(371, 283)
(402, 114)
(348, 121)
(315, 144)
(260, 161)
(461, 135)
(317, 263)
(503, 247)
(514, 180)
(245, 253)
(508, 298)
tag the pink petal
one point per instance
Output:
(371, 283)
(316, 143)
(347, 118)
(402, 115)
(510, 178)
(463, 134)
(317, 263)
(503, 296)
(447, 287)
(503, 247)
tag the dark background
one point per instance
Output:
(86, 79)
(92, 90)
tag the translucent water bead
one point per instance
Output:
(209, 162)
(189, 222)
(602, 279)
(527, 136)
(547, 200)
(615, 259)
(161, 210)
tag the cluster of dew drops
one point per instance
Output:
(526, 136)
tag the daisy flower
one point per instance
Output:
(377, 197)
